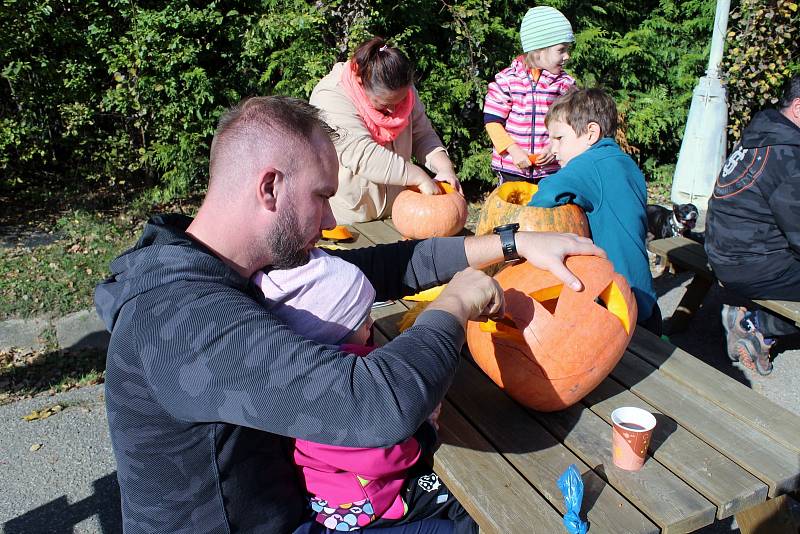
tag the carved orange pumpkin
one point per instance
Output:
(565, 342)
(418, 216)
(509, 204)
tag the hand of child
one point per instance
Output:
(545, 157)
(519, 156)
(433, 418)
(451, 178)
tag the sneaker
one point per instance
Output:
(753, 352)
(732, 317)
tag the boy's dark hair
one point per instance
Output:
(382, 67)
(789, 91)
(579, 107)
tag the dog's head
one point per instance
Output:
(685, 217)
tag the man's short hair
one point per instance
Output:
(790, 91)
(579, 107)
(279, 120)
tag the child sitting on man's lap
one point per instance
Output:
(599, 177)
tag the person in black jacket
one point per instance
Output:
(205, 388)
(753, 228)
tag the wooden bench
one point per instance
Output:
(689, 255)
(720, 449)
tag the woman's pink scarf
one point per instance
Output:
(383, 128)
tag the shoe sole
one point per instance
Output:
(744, 357)
(729, 325)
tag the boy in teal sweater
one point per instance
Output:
(600, 178)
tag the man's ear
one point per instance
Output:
(266, 188)
(794, 108)
(594, 131)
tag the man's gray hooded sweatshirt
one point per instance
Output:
(204, 385)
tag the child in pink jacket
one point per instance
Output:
(520, 95)
(329, 300)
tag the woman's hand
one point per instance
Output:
(519, 156)
(450, 177)
(420, 179)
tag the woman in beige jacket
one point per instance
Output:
(372, 103)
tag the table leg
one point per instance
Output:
(689, 304)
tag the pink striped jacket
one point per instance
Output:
(520, 105)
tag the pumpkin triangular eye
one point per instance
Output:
(548, 297)
(611, 299)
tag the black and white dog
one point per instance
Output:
(663, 222)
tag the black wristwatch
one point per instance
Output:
(506, 233)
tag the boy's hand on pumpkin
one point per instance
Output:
(471, 295)
(519, 156)
(548, 250)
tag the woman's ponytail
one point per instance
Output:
(382, 67)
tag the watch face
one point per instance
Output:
(511, 226)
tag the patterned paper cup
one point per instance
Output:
(632, 429)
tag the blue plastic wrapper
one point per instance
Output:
(571, 485)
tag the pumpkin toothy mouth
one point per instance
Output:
(611, 299)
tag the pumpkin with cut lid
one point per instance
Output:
(419, 216)
(555, 344)
(508, 203)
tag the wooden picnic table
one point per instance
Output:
(719, 448)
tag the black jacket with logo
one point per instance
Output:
(753, 226)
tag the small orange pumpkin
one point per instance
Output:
(508, 203)
(418, 216)
(337, 233)
(565, 342)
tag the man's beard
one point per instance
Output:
(286, 244)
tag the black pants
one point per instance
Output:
(786, 287)
(653, 323)
(428, 498)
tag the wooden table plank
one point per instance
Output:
(662, 496)
(689, 254)
(379, 232)
(490, 489)
(757, 452)
(718, 479)
(786, 308)
(537, 455)
(731, 395)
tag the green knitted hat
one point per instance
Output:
(544, 26)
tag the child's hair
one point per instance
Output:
(579, 107)
(326, 299)
(382, 67)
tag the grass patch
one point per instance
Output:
(24, 374)
(58, 278)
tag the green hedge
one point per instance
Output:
(127, 93)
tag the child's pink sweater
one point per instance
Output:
(520, 103)
(341, 476)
